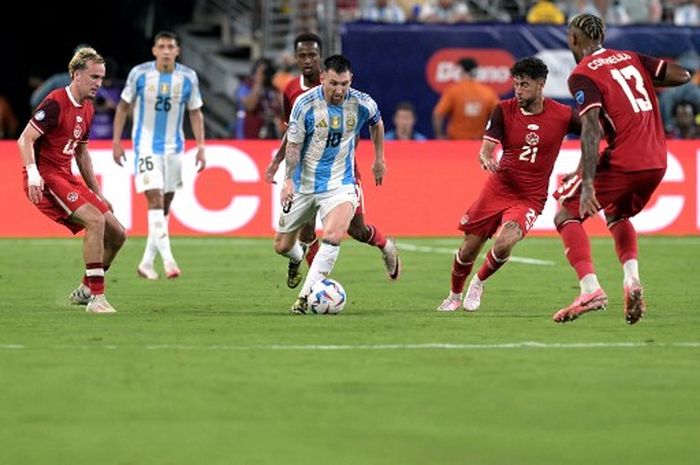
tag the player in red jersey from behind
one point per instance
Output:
(530, 128)
(57, 132)
(307, 51)
(615, 94)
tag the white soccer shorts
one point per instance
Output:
(305, 206)
(158, 172)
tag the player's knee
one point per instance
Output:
(94, 220)
(467, 254)
(333, 236)
(561, 217)
(118, 236)
(282, 245)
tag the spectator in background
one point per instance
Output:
(685, 124)
(285, 71)
(467, 105)
(8, 120)
(545, 12)
(383, 11)
(643, 11)
(608, 10)
(260, 103)
(404, 120)
(689, 92)
(688, 15)
(444, 11)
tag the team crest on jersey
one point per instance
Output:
(322, 124)
(335, 122)
(464, 220)
(164, 88)
(532, 139)
(351, 123)
(533, 127)
(77, 131)
(580, 97)
(293, 128)
(78, 119)
(72, 197)
(281, 222)
(39, 115)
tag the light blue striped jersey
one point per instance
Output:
(327, 134)
(159, 106)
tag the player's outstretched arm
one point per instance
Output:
(376, 132)
(197, 124)
(675, 75)
(123, 110)
(26, 150)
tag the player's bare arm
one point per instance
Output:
(197, 124)
(591, 134)
(291, 159)
(123, 110)
(376, 132)
(675, 75)
(26, 150)
(486, 159)
(274, 165)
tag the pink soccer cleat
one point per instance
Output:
(472, 300)
(634, 302)
(450, 304)
(146, 271)
(171, 270)
(596, 300)
(99, 304)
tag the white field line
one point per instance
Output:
(348, 347)
(445, 250)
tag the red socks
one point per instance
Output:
(95, 277)
(490, 265)
(625, 238)
(577, 248)
(460, 272)
(311, 251)
(376, 238)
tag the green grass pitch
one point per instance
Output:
(211, 369)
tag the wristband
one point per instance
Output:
(33, 176)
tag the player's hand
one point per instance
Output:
(271, 171)
(35, 184)
(589, 205)
(488, 163)
(568, 177)
(379, 170)
(200, 160)
(118, 154)
(287, 195)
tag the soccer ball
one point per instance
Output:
(327, 297)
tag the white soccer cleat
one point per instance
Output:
(171, 270)
(147, 271)
(392, 262)
(450, 304)
(473, 298)
(99, 304)
(81, 295)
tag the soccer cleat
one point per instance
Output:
(294, 274)
(596, 300)
(81, 295)
(392, 262)
(473, 298)
(171, 270)
(450, 304)
(300, 306)
(147, 271)
(99, 304)
(634, 302)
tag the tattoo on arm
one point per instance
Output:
(292, 158)
(590, 140)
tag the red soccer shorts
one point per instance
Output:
(488, 213)
(622, 195)
(64, 194)
(360, 210)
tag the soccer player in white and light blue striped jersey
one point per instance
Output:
(159, 92)
(320, 160)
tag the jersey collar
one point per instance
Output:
(71, 98)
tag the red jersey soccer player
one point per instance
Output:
(615, 94)
(57, 132)
(531, 129)
(307, 50)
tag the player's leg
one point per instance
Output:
(309, 241)
(578, 252)
(156, 230)
(302, 211)
(370, 234)
(115, 236)
(93, 220)
(169, 264)
(462, 265)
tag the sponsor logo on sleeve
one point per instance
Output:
(40, 115)
(580, 97)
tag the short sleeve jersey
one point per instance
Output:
(620, 84)
(159, 102)
(327, 135)
(292, 90)
(63, 124)
(531, 144)
(467, 105)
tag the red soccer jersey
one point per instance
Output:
(620, 83)
(531, 145)
(63, 125)
(293, 90)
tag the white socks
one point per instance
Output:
(322, 265)
(589, 283)
(158, 238)
(296, 253)
(631, 269)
